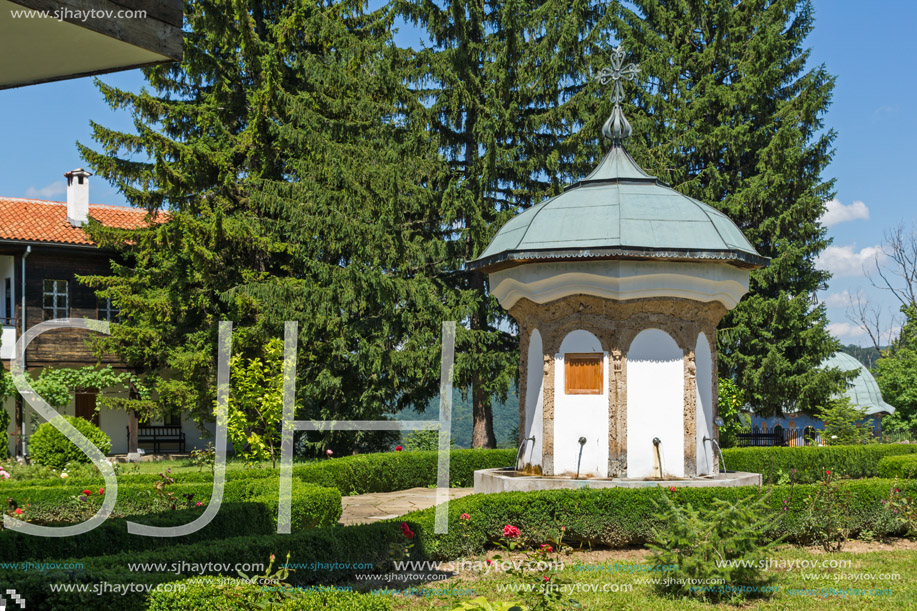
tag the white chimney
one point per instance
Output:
(78, 197)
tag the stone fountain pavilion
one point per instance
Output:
(617, 285)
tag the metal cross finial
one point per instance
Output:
(617, 126)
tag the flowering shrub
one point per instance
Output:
(903, 509)
(824, 519)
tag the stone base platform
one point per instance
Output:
(488, 481)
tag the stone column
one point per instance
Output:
(690, 415)
(617, 417)
(547, 447)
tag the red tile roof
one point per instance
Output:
(35, 220)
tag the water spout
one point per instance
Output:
(519, 452)
(582, 444)
(718, 449)
(656, 443)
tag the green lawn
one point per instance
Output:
(900, 558)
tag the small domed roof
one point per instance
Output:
(863, 390)
(619, 212)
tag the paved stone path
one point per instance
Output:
(363, 508)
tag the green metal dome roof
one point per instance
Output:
(618, 211)
(863, 391)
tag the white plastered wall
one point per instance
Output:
(578, 416)
(703, 358)
(655, 405)
(534, 401)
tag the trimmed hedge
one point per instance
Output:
(903, 466)
(366, 543)
(196, 596)
(811, 462)
(392, 471)
(232, 475)
(615, 517)
(249, 507)
(358, 474)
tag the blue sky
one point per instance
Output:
(872, 52)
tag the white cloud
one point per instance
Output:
(846, 331)
(839, 213)
(837, 300)
(58, 187)
(846, 261)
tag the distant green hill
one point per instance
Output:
(867, 356)
(506, 418)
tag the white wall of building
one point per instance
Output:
(578, 416)
(703, 358)
(7, 331)
(655, 405)
(534, 401)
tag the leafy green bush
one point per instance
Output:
(49, 447)
(903, 466)
(808, 464)
(192, 596)
(700, 542)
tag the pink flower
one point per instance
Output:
(329, 452)
(510, 531)
(199, 504)
(398, 448)
(18, 512)
(546, 548)
(546, 578)
(464, 516)
(4, 474)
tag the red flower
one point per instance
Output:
(464, 516)
(547, 548)
(406, 530)
(489, 561)
(18, 512)
(546, 578)
(101, 491)
(671, 488)
(828, 472)
(398, 448)
(87, 493)
(510, 532)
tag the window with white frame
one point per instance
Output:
(56, 299)
(107, 310)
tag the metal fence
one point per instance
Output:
(778, 436)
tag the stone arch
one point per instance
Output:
(655, 405)
(579, 416)
(533, 409)
(704, 406)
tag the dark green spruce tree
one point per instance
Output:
(507, 92)
(287, 183)
(732, 114)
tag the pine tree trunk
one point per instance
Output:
(482, 434)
